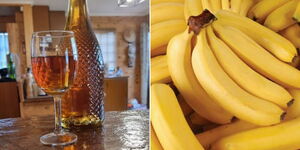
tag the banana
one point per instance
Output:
(245, 6)
(186, 109)
(198, 120)
(235, 5)
(192, 8)
(223, 90)
(180, 68)
(166, 11)
(294, 110)
(225, 4)
(257, 57)
(284, 136)
(212, 5)
(209, 137)
(296, 15)
(154, 144)
(292, 33)
(262, 9)
(159, 70)
(282, 48)
(282, 17)
(168, 121)
(153, 2)
(244, 76)
(162, 32)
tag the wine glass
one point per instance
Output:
(54, 61)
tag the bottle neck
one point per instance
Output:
(77, 13)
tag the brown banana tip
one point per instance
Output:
(233, 119)
(196, 23)
(254, 18)
(282, 116)
(295, 19)
(294, 59)
(291, 102)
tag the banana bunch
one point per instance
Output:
(280, 16)
(235, 82)
(183, 77)
(234, 77)
(169, 17)
(226, 92)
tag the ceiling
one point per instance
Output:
(96, 7)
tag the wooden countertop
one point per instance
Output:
(125, 130)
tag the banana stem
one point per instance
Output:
(196, 23)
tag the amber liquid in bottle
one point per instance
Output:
(83, 104)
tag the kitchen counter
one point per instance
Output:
(126, 130)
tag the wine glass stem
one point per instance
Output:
(57, 109)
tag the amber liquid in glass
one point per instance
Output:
(54, 74)
(82, 105)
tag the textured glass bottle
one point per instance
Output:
(83, 104)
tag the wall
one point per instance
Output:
(121, 24)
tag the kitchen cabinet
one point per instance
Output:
(9, 100)
(116, 99)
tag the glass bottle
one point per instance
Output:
(10, 66)
(83, 104)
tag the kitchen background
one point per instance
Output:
(122, 31)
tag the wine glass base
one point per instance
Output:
(64, 138)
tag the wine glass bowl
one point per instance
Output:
(54, 62)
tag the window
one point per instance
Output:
(4, 49)
(107, 41)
